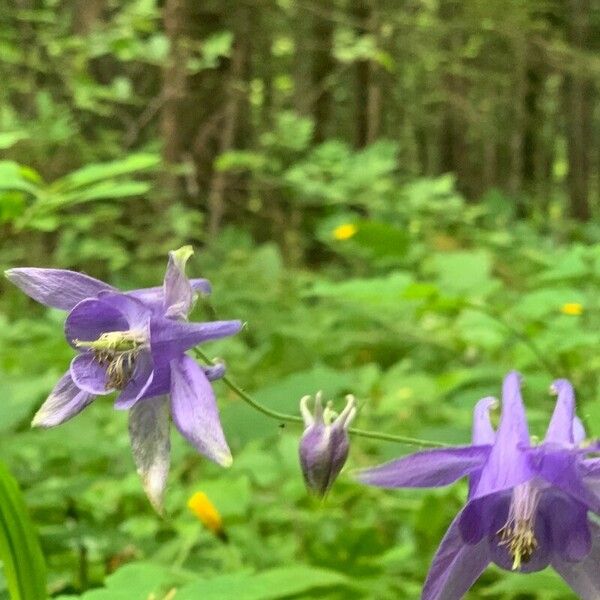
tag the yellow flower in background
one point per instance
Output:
(571, 308)
(207, 513)
(345, 231)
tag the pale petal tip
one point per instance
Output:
(155, 499)
(41, 419)
(37, 420)
(225, 460)
(183, 254)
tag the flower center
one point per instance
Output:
(117, 351)
(518, 533)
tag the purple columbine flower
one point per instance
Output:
(527, 505)
(324, 445)
(134, 344)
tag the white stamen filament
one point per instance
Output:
(518, 533)
(117, 350)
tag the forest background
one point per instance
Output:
(400, 197)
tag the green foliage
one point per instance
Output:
(418, 309)
(20, 551)
(419, 313)
(29, 202)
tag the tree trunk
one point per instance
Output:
(368, 92)
(453, 136)
(516, 141)
(175, 88)
(231, 117)
(322, 68)
(579, 115)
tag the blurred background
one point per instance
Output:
(400, 197)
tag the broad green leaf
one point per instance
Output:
(21, 396)
(371, 292)
(20, 552)
(14, 177)
(464, 272)
(136, 581)
(10, 138)
(89, 174)
(544, 584)
(267, 585)
(105, 190)
(382, 240)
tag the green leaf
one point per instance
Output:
(20, 396)
(105, 190)
(543, 584)
(10, 138)
(20, 551)
(373, 291)
(464, 272)
(89, 174)
(382, 240)
(268, 585)
(137, 580)
(14, 177)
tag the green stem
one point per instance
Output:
(279, 416)
(550, 368)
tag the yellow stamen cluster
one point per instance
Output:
(206, 512)
(518, 533)
(520, 541)
(117, 350)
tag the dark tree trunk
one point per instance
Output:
(235, 95)
(579, 114)
(453, 136)
(175, 88)
(322, 68)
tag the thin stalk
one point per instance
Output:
(544, 362)
(279, 416)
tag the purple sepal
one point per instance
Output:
(324, 444)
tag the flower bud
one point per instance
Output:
(324, 444)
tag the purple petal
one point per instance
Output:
(430, 468)
(56, 287)
(140, 381)
(579, 434)
(214, 372)
(322, 452)
(91, 318)
(570, 527)
(583, 576)
(64, 402)
(560, 430)
(483, 432)
(561, 468)
(135, 312)
(154, 297)
(111, 312)
(456, 566)
(201, 286)
(150, 444)
(195, 412)
(89, 375)
(178, 295)
(590, 467)
(507, 465)
(171, 338)
(161, 379)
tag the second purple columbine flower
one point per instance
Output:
(527, 506)
(135, 344)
